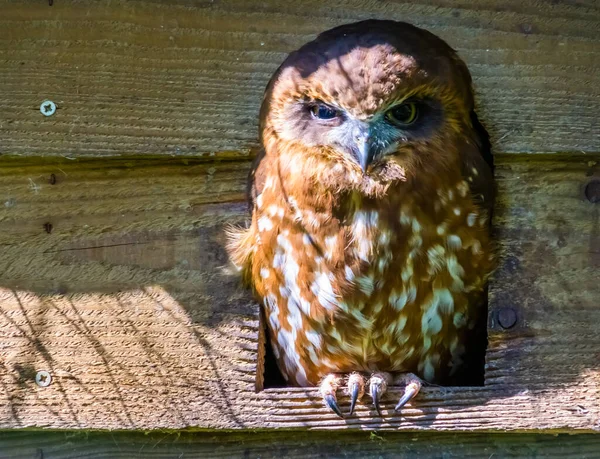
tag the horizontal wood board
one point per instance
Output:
(186, 77)
(115, 281)
(129, 445)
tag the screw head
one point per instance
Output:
(43, 378)
(48, 108)
(507, 318)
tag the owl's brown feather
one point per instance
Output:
(382, 270)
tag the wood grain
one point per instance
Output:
(128, 300)
(549, 243)
(186, 77)
(128, 445)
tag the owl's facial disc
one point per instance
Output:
(370, 139)
(366, 139)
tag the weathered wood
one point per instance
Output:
(122, 445)
(115, 280)
(549, 275)
(151, 320)
(186, 77)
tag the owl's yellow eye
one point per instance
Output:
(403, 114)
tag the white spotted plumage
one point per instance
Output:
(374, 269)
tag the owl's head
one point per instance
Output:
(370, 102)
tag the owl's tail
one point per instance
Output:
(239, 247)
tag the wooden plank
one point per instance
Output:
(122, 445)
(549, 275)
(128, 301)
(187, 77)
(124, 301)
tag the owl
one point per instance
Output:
(369, 244)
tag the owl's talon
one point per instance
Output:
(375, 395)
(378, 387)
(329, 387)
(411, 389)
(332, 403)
(356, 389)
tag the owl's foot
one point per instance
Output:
(380, 381)
(355, 389)
(378, 386)
(412, 386)
(328, 388)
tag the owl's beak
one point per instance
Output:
(365, 154)
(363, 148)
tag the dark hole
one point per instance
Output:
(473, 368)
(272, 377)
(592, 191)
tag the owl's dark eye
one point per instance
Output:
(323, 112)
(403, 114)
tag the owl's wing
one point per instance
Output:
(476, 156)
(241, 240)
(478, 165)
(256, 179)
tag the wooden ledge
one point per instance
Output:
(115, 282)
(297, 444)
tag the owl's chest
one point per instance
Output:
(389, 287)
(410, 241)
(394, 248)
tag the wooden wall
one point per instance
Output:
(113, 276)
(186, 77)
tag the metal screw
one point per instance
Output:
(43, 378)
(48, 108)
(507, 318)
